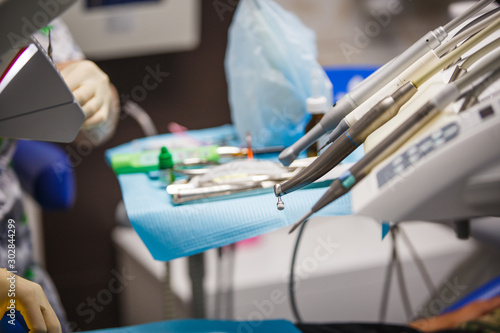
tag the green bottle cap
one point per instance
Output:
(165, 159)
(45, 30)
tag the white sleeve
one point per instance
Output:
(64, 48)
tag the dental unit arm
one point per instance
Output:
(371, 118)
(347, 143)
(35, 102)
(375, 82)
(402, 133)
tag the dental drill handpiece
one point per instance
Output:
(347, 143)
(390, 144)
(400, 135)
(362, 92)
(375, 82)
(412, 74)
(425, 67)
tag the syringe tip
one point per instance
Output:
(299, 222)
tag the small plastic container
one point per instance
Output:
(165, 167)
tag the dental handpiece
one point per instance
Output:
(419, 72)
(399, 136)
(347, 143)
(390, 144)
(473, 58)
(375, 82)
(472, 97)
(362, 92)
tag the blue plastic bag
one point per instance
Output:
(269, 61)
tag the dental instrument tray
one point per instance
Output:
(171, 231)
(239, 178)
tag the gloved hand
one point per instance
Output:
(91, 88)
(31, 302)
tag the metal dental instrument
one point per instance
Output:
(347, 143)
(417, 74)
(400, 135)
(462, 34)
(478, 19)
(480, 53)
(472, 97)
(462, 69)
(466, 15)
(192, 194)
(482, 22)
(428, 63)
(376, 81)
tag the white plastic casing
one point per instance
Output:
(438, 176)
(422, 65)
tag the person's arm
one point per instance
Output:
(30, 300)
(451, 320)
(95, 94)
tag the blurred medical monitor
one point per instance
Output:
(107, 29)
